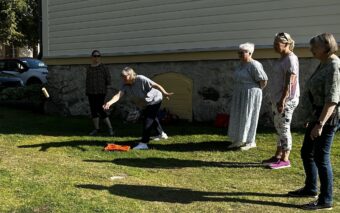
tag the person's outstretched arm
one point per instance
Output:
(160, 88)
(113, 100)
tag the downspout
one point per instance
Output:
(40, 54)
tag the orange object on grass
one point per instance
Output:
(116, 147)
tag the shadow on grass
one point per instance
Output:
(74, 144)
(173, 163)
(184, 196)
(179, 147)
(221, 146)
(13, 121)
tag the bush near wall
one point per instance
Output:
(29, 97)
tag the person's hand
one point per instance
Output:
(306, 124)
(168, 94)
(316, 131)
(107, 105)
(280, 106)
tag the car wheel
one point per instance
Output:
(32, 81)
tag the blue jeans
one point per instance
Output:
(338, 126)
(315, 155)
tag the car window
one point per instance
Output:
(33, 63)
(11, 66)
(14, 66)
(2, 65)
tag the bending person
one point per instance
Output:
(147, 94)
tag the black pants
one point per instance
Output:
(96, 105)
(150, 121)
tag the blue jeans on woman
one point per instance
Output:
(338, 126)
(315, 155)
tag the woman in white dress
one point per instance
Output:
(249, 80)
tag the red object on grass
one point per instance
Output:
(115, 147)
(222, 120)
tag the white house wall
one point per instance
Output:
(136, 27)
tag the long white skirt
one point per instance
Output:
(244, 114)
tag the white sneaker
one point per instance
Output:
(159, 137)
(141, 146)
(248, 146)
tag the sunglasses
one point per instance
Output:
(96, 56)
(242, 52)
(282, 34)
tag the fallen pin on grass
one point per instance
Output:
(118, 177)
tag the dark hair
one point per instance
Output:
(95, 51)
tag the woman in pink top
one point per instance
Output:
(284, 94)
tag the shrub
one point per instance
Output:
(29, 93)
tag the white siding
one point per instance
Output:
(126, 27)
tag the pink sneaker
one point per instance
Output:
(279, 165)
(271, 160)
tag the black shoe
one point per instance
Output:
(112, 132)
(315, 205)
(302, 193)
(94, 132)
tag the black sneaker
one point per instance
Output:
(315, 205)
(94, 132)
(302, 193)
(112, 132)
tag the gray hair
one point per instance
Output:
(247, 46)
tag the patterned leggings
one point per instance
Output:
(282, 124)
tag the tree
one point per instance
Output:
(8, 20)
(19, 21)
(28, 25)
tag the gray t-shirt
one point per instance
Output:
(289, 64)
(142, 92)
(249, 74)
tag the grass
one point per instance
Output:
(49, 164)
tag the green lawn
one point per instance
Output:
(49, 164)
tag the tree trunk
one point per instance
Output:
(13, 51)
(35, 51)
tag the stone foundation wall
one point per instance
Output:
(212, 87)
